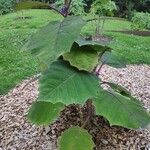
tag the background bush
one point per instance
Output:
(6, 6)
(77, 7)
(140, 21)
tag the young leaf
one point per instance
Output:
(44, 113)
(121, 110)
(84, 58)
(97, 46)
(76, 138)
(55, 38)
(63, 83)
(112, 60)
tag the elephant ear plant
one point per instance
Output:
(71, 77)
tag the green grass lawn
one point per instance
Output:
(109, 25)
(16, 65)
(36, 19)
(133, 49)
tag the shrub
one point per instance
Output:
(103, 8)
(141, 21)
(6, 6)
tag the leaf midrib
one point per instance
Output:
(63, 82)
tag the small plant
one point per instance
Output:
(102, 9)
(140, 21)
(71, 77)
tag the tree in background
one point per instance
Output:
(127, 6)
(144, 6)
(88, 5)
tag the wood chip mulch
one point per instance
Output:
(16, 133)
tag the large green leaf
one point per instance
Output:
(63, 83)
(119, 89)
(85, 54)
(111, 59)
(55, 38)
(44, 113)
(97, 46)
(121, 110)
(84, 58)
(76, 138)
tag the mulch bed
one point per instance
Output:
(17, 133)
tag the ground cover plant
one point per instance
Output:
(70, 76)
(141, 21)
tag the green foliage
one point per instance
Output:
(112, 60)
(85, 54)
(65, 84)
(127, 6)
(59, 40)
(95, 46)
(121, 109)
(77, 7)
(104, 7)
(141, 21)
(82, 57)
(76, 138)
(44, 112)
(6, 6)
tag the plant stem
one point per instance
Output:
(98, 69)
(90, 113)
(68, 8)
(56, 11)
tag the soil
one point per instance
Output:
(23, 18)
(101, 38)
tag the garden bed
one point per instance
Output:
(17, 133)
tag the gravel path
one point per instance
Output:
(16, 133)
